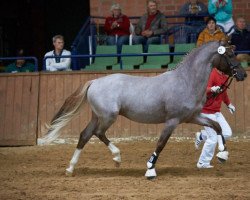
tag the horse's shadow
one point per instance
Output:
(139, 172)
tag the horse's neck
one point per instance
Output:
(197, 70)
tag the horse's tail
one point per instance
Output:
(68, 110)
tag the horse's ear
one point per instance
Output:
(229, 37)
(233, 47)
(225, 41)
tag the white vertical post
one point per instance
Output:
(90, 49)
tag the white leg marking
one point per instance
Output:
(220, 143)
(150, 173)
(116, 152)
(73, 161)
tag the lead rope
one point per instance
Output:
(223, 86)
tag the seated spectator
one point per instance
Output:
(57, 63)
(192, 9)
(222, 10)
(117, 28)
(210, 33)
(241, 39)
(150, 26)
(20, 65)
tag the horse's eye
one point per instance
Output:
(233, 47)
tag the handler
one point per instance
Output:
(216, 94)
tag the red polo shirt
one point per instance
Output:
(123, 28)
(213, 105)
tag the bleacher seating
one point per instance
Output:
(244, 64)
(102, 63)
(187, 47)
(157, 62)
(131, 62)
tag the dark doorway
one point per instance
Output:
(31, 24)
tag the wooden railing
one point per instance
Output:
(29, 100)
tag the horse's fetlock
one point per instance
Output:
(152, 160)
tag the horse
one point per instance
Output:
(172, 98)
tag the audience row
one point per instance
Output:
(150, 27)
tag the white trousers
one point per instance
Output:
(227, 26)
(210, 137)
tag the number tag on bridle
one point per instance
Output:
(221, 50)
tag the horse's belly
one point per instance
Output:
(145, 117)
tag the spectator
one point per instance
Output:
(222, 11)
(210, 33)
(217, 94)
(20, 65)
(192, 9)
(150, 26)
(241, 39)
(57, 63)
(117, 27)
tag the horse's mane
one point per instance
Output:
(192, 52)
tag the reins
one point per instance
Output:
(224, 86)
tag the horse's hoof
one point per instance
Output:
(150, 174)
(117, 164)
(69, 173)
(151, 178)
(222, 156)
(117, 161)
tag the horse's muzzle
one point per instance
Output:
(240, 76)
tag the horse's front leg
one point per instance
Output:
(170, 125)
(205, 121)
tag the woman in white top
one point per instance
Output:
(58, 63)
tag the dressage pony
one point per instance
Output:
(172, 98)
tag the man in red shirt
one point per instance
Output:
(216, 94)
(117, 28)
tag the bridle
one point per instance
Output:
(228, 82)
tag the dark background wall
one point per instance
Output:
(31, 24)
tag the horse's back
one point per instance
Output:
(135, 97)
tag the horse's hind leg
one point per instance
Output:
(204, 121)
(170, 125)
(85, 135)
(100, 133)
(114, 150)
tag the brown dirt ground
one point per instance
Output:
(38, 173)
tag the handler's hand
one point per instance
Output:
(231, 108)
(216, 89)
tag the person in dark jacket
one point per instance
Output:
(150, 26)
(241, 39)
(194, 12)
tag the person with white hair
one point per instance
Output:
(117, 27)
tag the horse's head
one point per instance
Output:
(225, 61)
